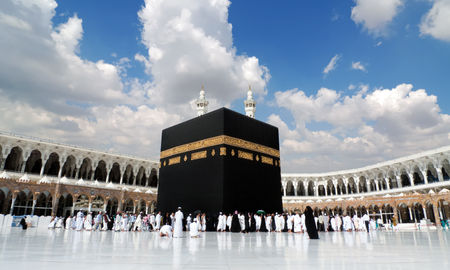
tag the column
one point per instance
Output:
(305, 187)
(60, 171)
(425, 213)
(326, 190)
(440, 175)
(105, 205)
(394, 209)
(72, 211)
(411, 178)
(121, 178)
(33, 207)
(295, 188)
(92, 175)
(146, 208)
(381, 215)
(12, 204)
(284, 189)
(44, 161)
(377, 185)
(436, 214)
(425, 177)
(410, 213)
(388, 184)
(399, 181)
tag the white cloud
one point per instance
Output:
(358, 66)
(361, 129)
(436, 22)
(332, 64)
(189, 44)
(379, 43)
(48, 90)
(375, 15)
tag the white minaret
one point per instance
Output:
(250, 104)
(202, 103)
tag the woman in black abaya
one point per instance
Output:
(263, 228)
(310, 223)
(235, 226)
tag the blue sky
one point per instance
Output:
(143, 56)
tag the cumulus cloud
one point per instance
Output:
(436, 22)
(375, 15)
(48, 90)
(189, 44)
(332, 64)
(362, 128)
(358, 66)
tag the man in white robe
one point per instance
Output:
(59, 223)
(138, 223)
(52, 223)
(178, 223)
(257, 222)
(290, 222)
(338, 223)
(158, 221)
(124, 223)
(333, 224)
(347, 222)
(80, 221)
(304, 223)
(117, 222)
(69, 222)
(242, 222)
(220, 222)
(269, 223)
(229, 220)
(166, 230)
(297, 223)
(193, 229)
(98, 221)
(88, 222)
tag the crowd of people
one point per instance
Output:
(173, 224)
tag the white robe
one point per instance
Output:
(88, 222)
(138, 223)
(166, 230)
(297, 223)
(178, 224)
(80, 221)
(193, 229)
(105, 223)
(52, 223)
(124, 223)
(290, 221)
(157, 222)
(269, 223)
(338, 222)
(304, 223)
(242, 221)
(68, 223)
(257, 222)
(229, 220)
(333, 224)
(203, 223)
(220, 222)
(347, 223)
(59, 223)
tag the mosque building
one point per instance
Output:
(40, 177)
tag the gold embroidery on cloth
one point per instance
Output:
(198, 155)
(245, 155)
(218, 140)
(213, 152)
(223, 151)
(174, 160)
(267, 160)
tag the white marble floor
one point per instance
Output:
(59, 249)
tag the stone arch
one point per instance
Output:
(289, 188)
(128, 175)
(114, 174)
(128, 206)
(372, 185)
(429, 210)
(444, 209)
(445, 170)
(350, 211)
(142, 207)
(153, 178)
(392, 180)
(111, 206)
(403, 213)
(82, 203)
(418, 178)
(34, 162)
(43, 204)
(351, 186)
(52, 165)
(432, 175)
(321, 190)
(97, 204)
(388, 212)
(5, 201)
(340, 187)
(100, 172)
(362, 184)
(14, 159)
(69, 167)
(330, 188)
(23, 203)
(85, 170)
(65, 204)
(300, 189)
(404, 178)
(417, 211)
(141, 177)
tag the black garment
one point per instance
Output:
(247, 225)
(210, 223)
(310, 224)
(263, 224)
(23, 223)
(272, 223)
(285, 229)
(235, 226)
(367, 225)
(252, 224)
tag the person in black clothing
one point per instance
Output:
(235, 226)
(310, 224)
(252, 222)
(23, 223)
(263, 227)
(272, 223)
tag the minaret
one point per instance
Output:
(250, 104)
(202, 103)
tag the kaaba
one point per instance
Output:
(220, 161)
